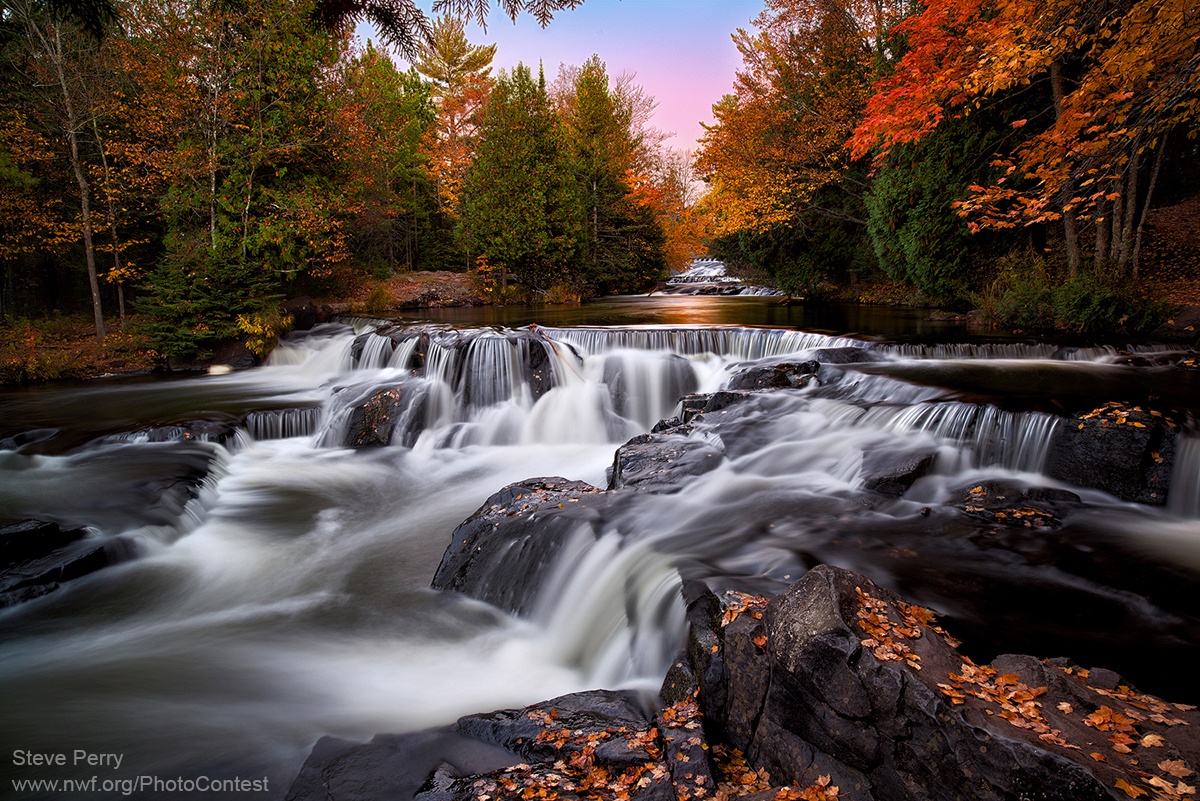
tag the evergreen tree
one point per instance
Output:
(522, 211)
(623, 243)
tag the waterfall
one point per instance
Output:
(1184, 496)
(283, 596)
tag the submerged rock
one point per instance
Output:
(893, 472)
(788, 375)
(37, 557)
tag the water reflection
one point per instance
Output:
(886, 322)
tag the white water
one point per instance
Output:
(290, 600)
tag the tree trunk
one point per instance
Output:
(1103, 229)
(1070, 229)
(85, 195)
(1137, 240)
(1131, 193)
(112, 226)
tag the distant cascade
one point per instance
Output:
(708, 277)
(1014, 350)
(1183, 499)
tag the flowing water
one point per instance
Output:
(285, 595)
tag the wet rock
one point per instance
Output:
(38, 557)
(661, 462)
(515, 535)
(25, 439)
(590, 744)
(788, 375)
(1011, 504)
(1123, 450)
(840, 677)
(303, 312)
(846, 355)
(220, 431)
(388, 416)
(33, 539)
(892, 472)
(1184, 326)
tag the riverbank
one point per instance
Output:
(65, 347)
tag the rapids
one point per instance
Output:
(286, 595)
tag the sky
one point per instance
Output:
(680, 50)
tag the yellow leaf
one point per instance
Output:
(1152, 741)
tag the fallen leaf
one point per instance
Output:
(1152, 741)
(1065, 708)
(1130, 790)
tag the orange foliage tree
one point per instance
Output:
(1117, 80)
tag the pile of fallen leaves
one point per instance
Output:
(739, 779)
(1123, 414)
(1019, 516)
(889, 628)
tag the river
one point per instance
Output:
(281, 586)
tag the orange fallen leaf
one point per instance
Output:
(1130, 790)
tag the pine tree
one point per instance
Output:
(522, 209)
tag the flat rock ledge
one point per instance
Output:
(836, 688)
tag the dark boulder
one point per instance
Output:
(788, 375)
(1184, 326)
(893, 472)
(391, 416)
(516, 535)
(844, 355)
(1123, 450)
(840, 677)
(590, 744)
(303, 312)
(38, 557)
(661, 462)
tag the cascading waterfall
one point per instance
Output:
(288, 599)
(1184, 498)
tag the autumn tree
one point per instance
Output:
(461, 76)
(251, 202)
(1115, 81)
(522, 211)
(62, 69)
(775, 159)
(384, 118)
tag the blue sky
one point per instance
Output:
(680, 49)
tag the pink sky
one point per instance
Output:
(680, 50)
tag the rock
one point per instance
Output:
(788, 375)
(38, 557)
(390, 415)
(1184, 326)
(595, 744)
(660, 462)
(34, 539)
(1010, 504)
(515, 535)
(23, 440)
(845, 355)
(840, 677)
(893, 472)
(1122, 450)
(303, 312)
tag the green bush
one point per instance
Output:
(1026, 296)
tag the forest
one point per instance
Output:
(1000, 154)
(198, 161)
